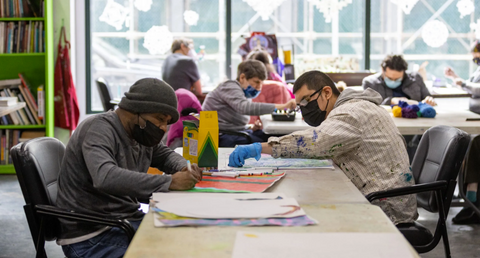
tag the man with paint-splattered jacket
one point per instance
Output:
(355, 132)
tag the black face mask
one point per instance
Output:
(476, 60)
(312, 114)
(148, 136)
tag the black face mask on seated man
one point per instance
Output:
(312, 114)
(148, 136)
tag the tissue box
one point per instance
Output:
(200, 140)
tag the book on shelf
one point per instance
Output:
(22, 37)
(41, 102)
(10, 82)
(21, 93)
(21, 112)
(31, 109)
(8, 101)
(26, 88)
(13, 115)
(21, 8)
(12, 137)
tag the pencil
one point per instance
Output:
(221, 174)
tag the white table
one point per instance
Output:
(311, 186)
(213, 242)
(326, 195)
(450, 111)
(437, 92)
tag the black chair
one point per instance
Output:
(435, 168)
(462, 190)
(105, 96)
(37, 165)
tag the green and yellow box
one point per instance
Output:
(200, 140)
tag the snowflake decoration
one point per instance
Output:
(476, 28)
(465, 7)
(435, 33)
(329, 7)
(191, 17)
(158, 40)
(406, 5)
(114, 14)
(143, 5)
(264, 7)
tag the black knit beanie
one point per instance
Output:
(151, 95)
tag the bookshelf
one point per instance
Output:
(38, 68)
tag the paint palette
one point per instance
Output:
(283, 115)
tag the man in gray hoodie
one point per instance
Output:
(104, 170)
(394, 83)
(352, 130)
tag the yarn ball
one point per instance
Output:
(426, 110)
(402, 104)
(397, 111)
(409, 113)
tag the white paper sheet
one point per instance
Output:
(325, 245)
(157, 197)
(229, 206)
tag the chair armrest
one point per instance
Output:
(438, 185)
(64, 214)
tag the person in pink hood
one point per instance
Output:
(187, 103)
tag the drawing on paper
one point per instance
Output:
(268, 161)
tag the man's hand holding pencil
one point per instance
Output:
(186, 178)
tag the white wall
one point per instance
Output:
(77, 19)
(61, 16)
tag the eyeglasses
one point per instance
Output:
(306, 100)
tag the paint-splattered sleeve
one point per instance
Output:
(338, 134)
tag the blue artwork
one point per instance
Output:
(267, 161)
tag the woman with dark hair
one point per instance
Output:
(275, 89)
(264, 57)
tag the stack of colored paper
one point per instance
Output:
(237, 183)
(203, 209)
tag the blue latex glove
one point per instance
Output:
(242, 152)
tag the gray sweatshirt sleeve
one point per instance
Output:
(98, 151)
(367, 84)
(472, 88)
(167, 160)
(235, 97)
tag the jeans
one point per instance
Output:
(111, 243)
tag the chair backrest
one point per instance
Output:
(37, 165)
(439, 156)
(104, 94)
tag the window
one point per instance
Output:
(430, 30)
(331, 41)
(120, 54)
(333, 45)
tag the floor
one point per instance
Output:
(15, 239)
